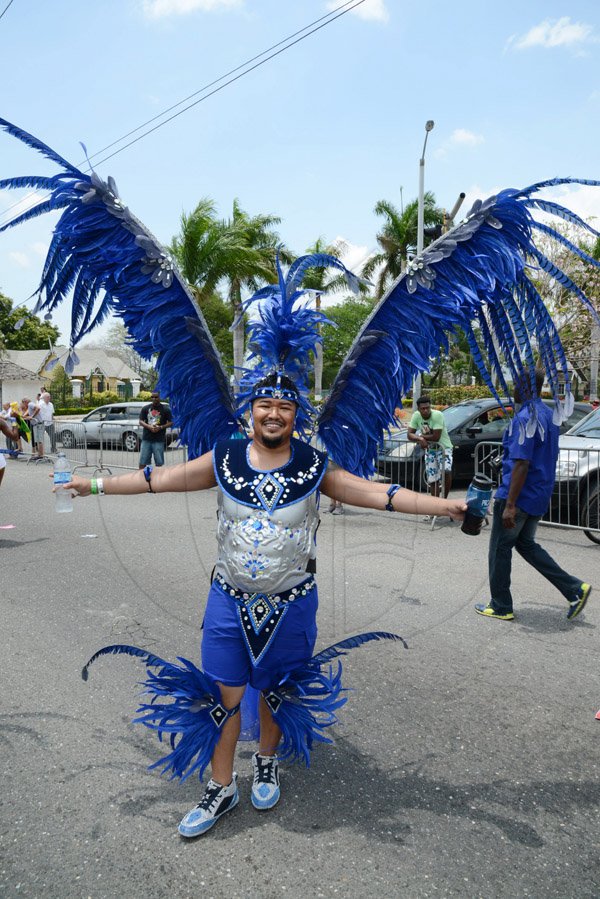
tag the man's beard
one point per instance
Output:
(272, 442)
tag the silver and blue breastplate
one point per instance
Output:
(267, 520)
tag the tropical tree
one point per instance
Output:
(347, 318)
(32, 333)
(398, 234)
(238, 252)
(252, 267)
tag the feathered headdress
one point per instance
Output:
(477, 277)
(283, 338)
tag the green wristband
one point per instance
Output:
(94, 487)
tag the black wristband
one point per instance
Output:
(391, 492)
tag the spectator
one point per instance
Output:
(155, 418)
(46, 407)
(427, 427)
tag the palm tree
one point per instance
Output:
(255, 237)
(239, 251)
(397, 236)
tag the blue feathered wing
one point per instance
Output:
(106, 259)
(476, 277)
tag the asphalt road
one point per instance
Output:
(465, 766)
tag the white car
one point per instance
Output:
(576, 497)
(115, 425)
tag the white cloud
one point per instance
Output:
(371, 10)
(460, 137)
(582, 199)
(20, 259)
(555, 33)
(159, 9)
(40, 249)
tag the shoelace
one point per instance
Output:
(211, 796)
(265, 772)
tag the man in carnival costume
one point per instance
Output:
(260, 622)
(263, 596)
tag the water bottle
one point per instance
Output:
(62, 475)
(478, 499)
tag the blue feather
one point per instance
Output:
(561, 212)
(341, 648)
(38, 145)
(182, 699)
(148, 658)
(285, 334)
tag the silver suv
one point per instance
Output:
(115, 425)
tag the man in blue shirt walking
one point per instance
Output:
(528, 472)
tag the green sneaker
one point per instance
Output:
(578, 605)
(489, 612)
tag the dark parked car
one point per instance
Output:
(116, 424)
(469, 423)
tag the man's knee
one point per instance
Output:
(231, 696)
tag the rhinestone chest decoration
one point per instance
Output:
(269, 490)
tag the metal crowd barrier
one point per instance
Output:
(575, 501)
(70, 438)
(117, 450)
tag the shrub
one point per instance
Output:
(447, 396)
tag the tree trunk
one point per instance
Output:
(238, 332)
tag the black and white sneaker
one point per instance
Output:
(265, 786)
(216, 801)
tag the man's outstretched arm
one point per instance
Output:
(195, 475)
(340, 485)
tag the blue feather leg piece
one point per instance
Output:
(305, 703)
(185, 705)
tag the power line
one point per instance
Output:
(6, 8)
(227, 74)
(246, 68)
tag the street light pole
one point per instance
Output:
(420, 226)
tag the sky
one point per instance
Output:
(318, 134)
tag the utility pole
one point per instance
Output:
(429, 124)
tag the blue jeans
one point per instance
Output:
(522, 538)
(152, 448)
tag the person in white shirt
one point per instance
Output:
(46, 407)
(32, 415)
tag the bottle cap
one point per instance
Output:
(482, 482)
